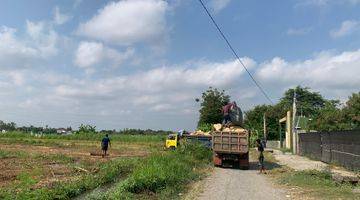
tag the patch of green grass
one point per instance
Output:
(58, 158)
(25, 180)
(39, 140)
(108, 172)
(31, 141)
(163, 175)
(11, 154)
(315, 184)
(149, 142)
(319, 184)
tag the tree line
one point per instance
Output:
(83, 129)
(322, 114)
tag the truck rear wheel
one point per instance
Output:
(244, 161)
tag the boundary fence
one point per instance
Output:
(339, 147)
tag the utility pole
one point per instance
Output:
(280, 135)
(264, 120)
(293, 124)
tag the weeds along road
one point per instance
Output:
(233, 184)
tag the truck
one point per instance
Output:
(205, 140)
(231, 147)
(172, 141)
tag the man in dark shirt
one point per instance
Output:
(105, 143)
(260, 147)
(226, 113)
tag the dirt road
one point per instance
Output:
(233, 184)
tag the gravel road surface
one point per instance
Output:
(233, 184)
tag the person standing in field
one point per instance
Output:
(260, 148)
(105, 143)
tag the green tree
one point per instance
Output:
(7, 126)
(330, 118)
(352, 110)
(211, 104)
(254, 117)
(87, 129)
(254, 120)
(308, 103)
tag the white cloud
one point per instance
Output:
(17, 77)
(322, 3)
(127, 22)
(60, 18)
(89, 54)
(325, 72)
(347, 28)
(218, 5)
(11, 48)
(40, 42)
(161, 107)
(163, 85)
(43, 38)
(164, 96)
(314, 2)
(298, 31)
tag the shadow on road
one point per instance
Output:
(253, 165)
(268, 165)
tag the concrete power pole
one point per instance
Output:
(264, 120)
(294, 136)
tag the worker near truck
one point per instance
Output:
(260, 148)
(105, 143)
(226, 112)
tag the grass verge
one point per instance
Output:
(312, 183)
(319, 185)
(163, 176)
(85, 136)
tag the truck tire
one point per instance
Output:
(244, 161)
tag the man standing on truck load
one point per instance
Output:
(226, 112)
(105, 143)
(260, 148)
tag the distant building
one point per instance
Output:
(63, 131)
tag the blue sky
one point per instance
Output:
(141, 63)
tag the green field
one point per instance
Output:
(61, 167)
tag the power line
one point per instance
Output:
(234, 52)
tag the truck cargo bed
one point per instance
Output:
(230, 142)
(205, 140)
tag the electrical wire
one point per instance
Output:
(234, 52)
